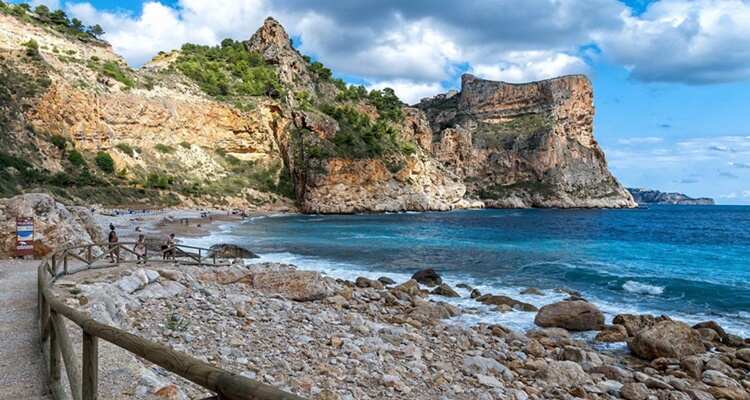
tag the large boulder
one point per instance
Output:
(55, 225)
(635, 323)
(499, 300)
(294, 285)
(226, 250)
(427, 277)
(669, 339)
(571, 315)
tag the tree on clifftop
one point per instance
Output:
(96, 30)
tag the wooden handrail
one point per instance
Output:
(83, 379)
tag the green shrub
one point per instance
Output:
(352, 93)
(105, 162)
(228, 70)
(76, 158)
(58, 141)
(164, 148)
(112, 70)
(32, 49)
(157, 181)
(126, 148)
(186, 145)
(387, 103)
(359, 137)
(321, 71)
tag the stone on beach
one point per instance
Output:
(227, 250)
(671, 339)
(500, 300)
(570, 315)
(445, 291)
(427, 277)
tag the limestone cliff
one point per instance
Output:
(524, 145)
(275, 129)
(646, 197)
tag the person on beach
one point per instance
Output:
(112, 240)
(168, 249)
(140, 249)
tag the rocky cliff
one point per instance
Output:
(256, 124)
(646, 196)
(524, 145)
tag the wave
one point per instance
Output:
(642, 288)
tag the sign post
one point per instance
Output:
(24, 236)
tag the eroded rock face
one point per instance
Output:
(55, 225)
(525, 145)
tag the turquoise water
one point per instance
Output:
(690, 262)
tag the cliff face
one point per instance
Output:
(524, 145)
(306, 138)
(645, 196)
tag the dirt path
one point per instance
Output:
(22, 368)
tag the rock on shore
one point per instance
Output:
(362, 340)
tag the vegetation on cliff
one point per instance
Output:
(228, 70)
(41, 15)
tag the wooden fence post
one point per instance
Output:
(88, 254)
(72, 366)
(54, 264)
(90, 378)
(54, 358)
(65, 262)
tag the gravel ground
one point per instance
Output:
(21, 362)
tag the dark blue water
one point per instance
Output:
(692, 262)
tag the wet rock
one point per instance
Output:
(670, 339)
(427, 277)
(693, 365)
(570, 315)
(743, 354)
(464, 286)
(713, 325)
(507, 301)
(226, 250)
(410, 287)
(363, 282)
(475, 293)
(533, 291)
(386, 280)
(612, 334)
(445, 291)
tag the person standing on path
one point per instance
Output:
(112, 240)
(140, 249)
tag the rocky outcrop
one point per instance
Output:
(524, 145)
(493, 144)
(646, 196)
(55, 225)
(570, 315)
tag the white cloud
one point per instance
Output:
(525, 66)
(410, 92)
(688, 41)
(159, 27)
(51, 4)
(640, 140)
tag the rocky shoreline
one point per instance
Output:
(326, 338)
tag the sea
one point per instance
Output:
(691, 263)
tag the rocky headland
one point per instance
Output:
(258, 125)
(646, 197)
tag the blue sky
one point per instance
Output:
(671, 77)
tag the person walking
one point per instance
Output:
(169, 247)
(140, 249)
(112, 240)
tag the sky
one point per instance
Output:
(671, 77)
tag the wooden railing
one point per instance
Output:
(82, 376)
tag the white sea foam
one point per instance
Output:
(642, 288)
